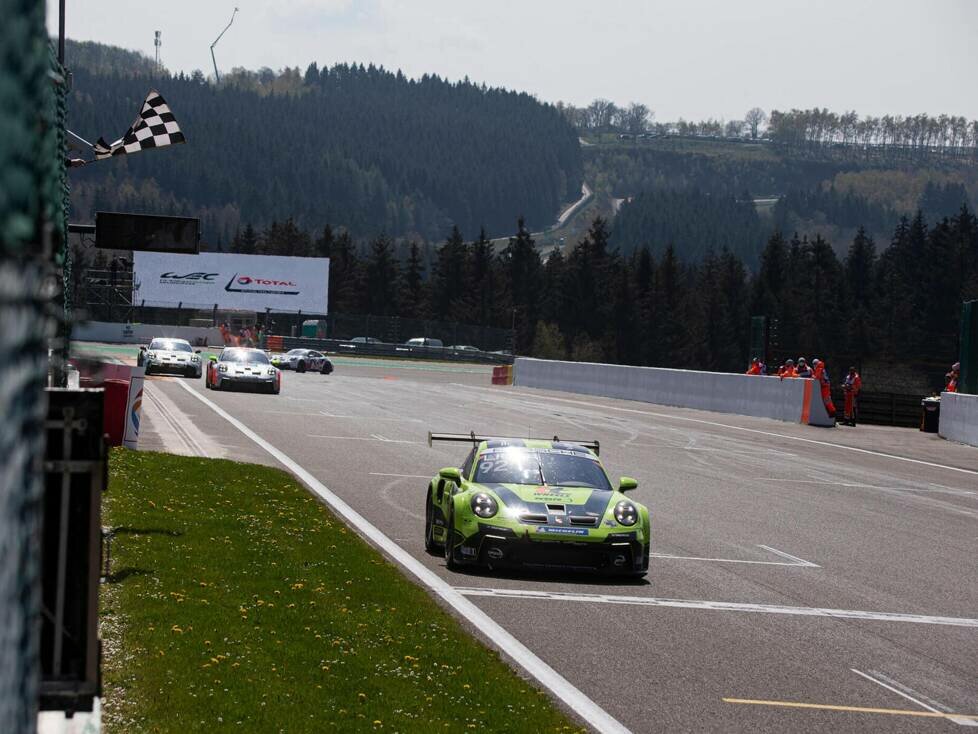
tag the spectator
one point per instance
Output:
(788, 369)
(756, 367)
(952, 377)
(821, 376)
(851, 386)
(803, 369)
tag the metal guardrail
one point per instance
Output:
(883, 408)
(383, 349)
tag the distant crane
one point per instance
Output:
(217, 74)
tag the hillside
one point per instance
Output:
(351, 146)
(815, 193)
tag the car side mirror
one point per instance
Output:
(626, 484)
(196, 351)
(451, 474)
(142, 349)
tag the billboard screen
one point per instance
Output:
(245, 282)
(146, 232)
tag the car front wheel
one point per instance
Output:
(301, 366)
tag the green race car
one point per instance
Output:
(530, 503)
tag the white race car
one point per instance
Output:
(170, 355)
(301, 360)
(238, 367)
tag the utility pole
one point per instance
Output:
(217, 74)
(157, 41)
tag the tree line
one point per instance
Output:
(899, 300)
(892, 135)
(354, 145)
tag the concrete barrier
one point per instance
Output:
(959, 418)
(795, 400)
(116, 333)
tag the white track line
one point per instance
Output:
(959, 720)
(595, 716)
(798, 561)
(720, 606)
(403, 476)
(374, 437)
(791, 560)
(741, 428)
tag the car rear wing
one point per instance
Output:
(475, 439)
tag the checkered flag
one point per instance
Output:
(154, 128)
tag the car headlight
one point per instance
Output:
(271, 370)
(484, 506)
(195, 358)
(626, 513)
(222, 368)
(150, 355)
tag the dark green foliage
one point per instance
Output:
(825, 204)
(381, 279)
(355, 146)
(634, 170)
(591, 303)
(522, 271)
(694, 222)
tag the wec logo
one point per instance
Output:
(189, 276)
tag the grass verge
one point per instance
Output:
(237, 602)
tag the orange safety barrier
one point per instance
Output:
(274, 343)
(502, 375)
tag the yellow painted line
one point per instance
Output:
(852, 709)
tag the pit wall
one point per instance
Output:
(115, 333)
(959, 418)
(793, 400)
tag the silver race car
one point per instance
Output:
(237, 367)
(170, 355)
(301, 360)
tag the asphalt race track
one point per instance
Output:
(787, 570)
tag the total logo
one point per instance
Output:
(248, 280)
(247, 284)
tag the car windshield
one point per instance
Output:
(170, 345)
(296, 352)
(244, 355)
(558, 467)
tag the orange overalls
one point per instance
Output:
(818, 374)
(789, 372)
(852, 386)
(755, 369)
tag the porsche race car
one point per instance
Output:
(240, 367)
(301, 360)
(531, 503)
(170, 355)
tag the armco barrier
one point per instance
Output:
(794, 401)
(959, 418)
(116, 333)
(384, 349)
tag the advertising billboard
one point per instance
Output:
(245, 282)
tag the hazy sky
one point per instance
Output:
(683, 59)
